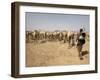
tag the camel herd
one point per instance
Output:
(64, 36)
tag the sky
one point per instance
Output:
(56, 21)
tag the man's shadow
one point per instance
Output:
(84, 53)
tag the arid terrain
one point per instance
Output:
(54, 53)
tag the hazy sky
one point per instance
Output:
(51, 21)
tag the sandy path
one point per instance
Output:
(54, 53)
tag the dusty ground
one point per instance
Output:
(53, 54)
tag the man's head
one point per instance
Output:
(81, 30)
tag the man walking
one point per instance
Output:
(81, 42)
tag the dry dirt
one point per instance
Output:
(54, 54)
